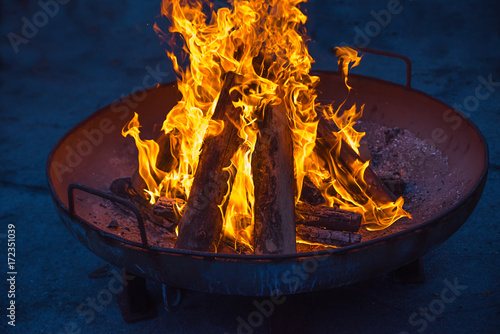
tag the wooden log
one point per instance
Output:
(122, 187)
(273, 176)
(227, 246)
(168, 208)
(310, 193)
(330, 218)
(327, 237)
(164, 213)
(311, 247)
(375, 188)
(201, 223)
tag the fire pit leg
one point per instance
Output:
(413, 272)
(134, 302)
(172, 298)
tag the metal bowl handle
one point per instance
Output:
(92, 191)
(392, 55)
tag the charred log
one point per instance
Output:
(123, 188)
(168, 208)
(348, 156)
(201, 223)
(327, 237)
(330, 218)
(227, 246)
(310, 193)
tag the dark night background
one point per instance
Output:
(91, 53)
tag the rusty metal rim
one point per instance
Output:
(277, 258)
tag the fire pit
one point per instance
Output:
(251, 130)
(79, 185)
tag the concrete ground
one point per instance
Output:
(86, 54)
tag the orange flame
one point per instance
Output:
(344, 188)
(148, 153)
(239, 39)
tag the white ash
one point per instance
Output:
(431, 186)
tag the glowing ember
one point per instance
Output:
(265, 43)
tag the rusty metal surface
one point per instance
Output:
(386, 103)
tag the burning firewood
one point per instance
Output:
(201, 223)
(275, 215)
(272, 167)
(330, 218)
(228, 186)
(348, 156)
(123, 188)
(230, 246)
(327, 237)
(168, 208)
(310, 193)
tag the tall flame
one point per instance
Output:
(148, 153)
(264, 41)
(344, 188)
